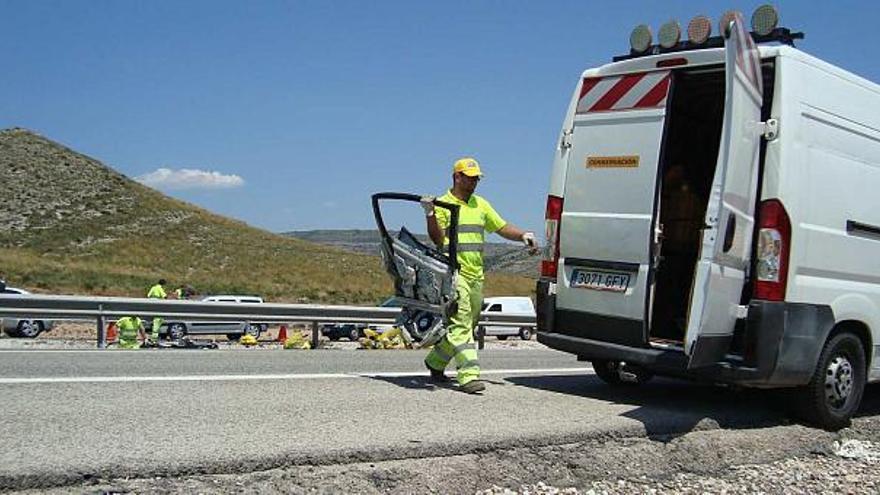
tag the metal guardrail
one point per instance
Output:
(111, 308)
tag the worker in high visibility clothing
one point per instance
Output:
(157, 292)
(476, 218)
(131, 332)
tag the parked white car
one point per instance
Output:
(24, 328)
(232, 329)
(513, 305)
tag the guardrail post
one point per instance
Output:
(102, 335)
(315, 335)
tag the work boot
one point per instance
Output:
(472, 387)
(437, 376)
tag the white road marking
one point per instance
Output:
(292, 376)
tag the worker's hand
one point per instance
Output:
(428, 205)
(530, 242)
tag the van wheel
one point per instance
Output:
(618, 373)
(176, 331)
(835, 391)
(525, 333)
(354, 334)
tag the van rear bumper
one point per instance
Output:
(781, 345)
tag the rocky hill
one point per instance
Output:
(70, 224)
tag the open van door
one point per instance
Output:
(607, 236)
(727, 237)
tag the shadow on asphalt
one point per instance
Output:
(414, 382)
(669, 408)
(422, 382)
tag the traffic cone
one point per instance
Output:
(112, 333)
(282, 334)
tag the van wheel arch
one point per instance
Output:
(860, 330)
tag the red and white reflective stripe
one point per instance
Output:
(748, 60)
(643, 90)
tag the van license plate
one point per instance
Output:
(600, 280)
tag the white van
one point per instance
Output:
(713, 215)
(512, 305)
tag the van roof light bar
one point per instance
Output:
(765, 20)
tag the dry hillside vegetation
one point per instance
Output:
(70, 224)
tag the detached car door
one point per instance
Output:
(726, 242)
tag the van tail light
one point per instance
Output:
(774, 246)
(553, 217)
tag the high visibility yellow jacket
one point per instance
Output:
(157, 292)
(476, 217)
(128, 331)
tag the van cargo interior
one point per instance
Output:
(690, 152)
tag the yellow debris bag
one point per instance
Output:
(247, 340)
(297, 341)
(392, 339)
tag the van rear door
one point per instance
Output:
(607, 226)
(727, 237)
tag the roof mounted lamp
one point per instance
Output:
(724, 23)
(764, 20)
(699, 29)
(640, 38)
(669, 34)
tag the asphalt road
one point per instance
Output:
(68, 416)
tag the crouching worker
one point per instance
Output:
(131, 332)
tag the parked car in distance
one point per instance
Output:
(233, 330)
(28, 329)
(336, 331)
(513, 305)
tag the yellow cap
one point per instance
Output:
(467, 166)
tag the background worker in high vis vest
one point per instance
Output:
(157, 292)
(131, 332)
(476, 218)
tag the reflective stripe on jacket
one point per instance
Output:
(475, 219)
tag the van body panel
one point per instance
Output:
(784, 336)
(827, 178)
(725, 252)
(612, 205)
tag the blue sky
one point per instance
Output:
(295, 112)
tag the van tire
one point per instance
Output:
(525, 333)
(609, 372)
(840, 375)
(354, 334)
